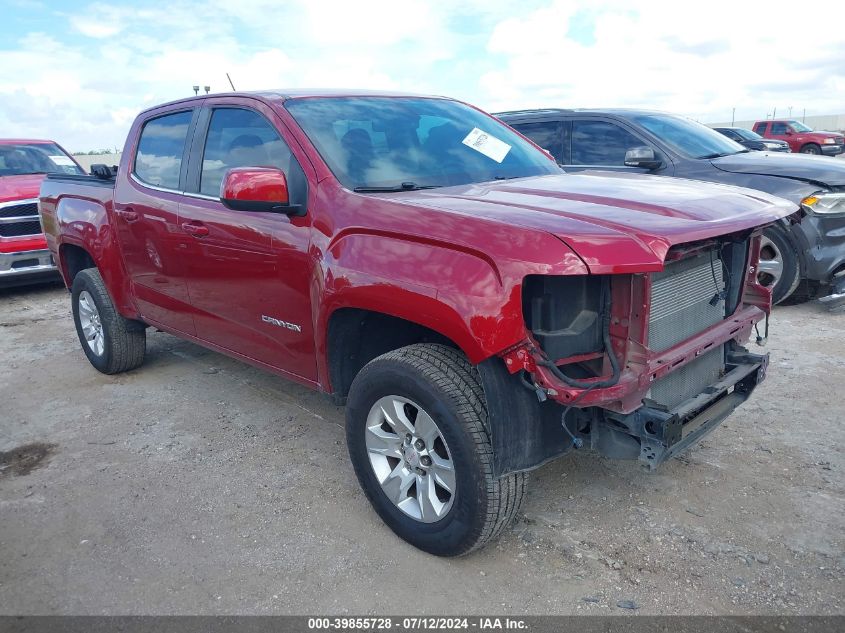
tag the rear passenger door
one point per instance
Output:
(552, 136)
(146, 219)
(248, 272)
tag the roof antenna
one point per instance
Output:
(230, 82)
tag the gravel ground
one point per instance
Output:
(198, 484)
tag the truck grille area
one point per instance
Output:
(690, 380)
(681, 296)
(19, 219)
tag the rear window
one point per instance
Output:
(760, 128)
(159, 158)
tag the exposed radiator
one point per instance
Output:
(690, 380)
(681, 307)
(680, 300)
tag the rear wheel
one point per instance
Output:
(416, 425)
(779, 269)
(811, 148)
(112, 343)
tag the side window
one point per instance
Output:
(779, 128)
(240, 138)
(760, 128)
(158, 160)
(731, 135)
(600, 143)
(546, 134)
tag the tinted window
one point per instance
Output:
(779, 128)
(35, 158)
(371, 142)
(600, 143)
(760, 128)
(240, 138)
(688, 137)
(546, 134)
(159, 158)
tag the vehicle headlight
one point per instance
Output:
(825, 203)
(772, 145)
(829, 141)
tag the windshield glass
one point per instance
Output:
(35, 158)
(689, 138)
(747, 135)
(800, 127)
(409, 142)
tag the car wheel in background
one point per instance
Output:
(112, 343)
(416, 429)
(811, 148)
(779, 268)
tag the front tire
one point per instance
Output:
(419, 440)
(811, 148)
(779, 268)
(112, 343)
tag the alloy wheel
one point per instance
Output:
(410, 458)
(89, 320)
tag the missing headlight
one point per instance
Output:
(564, 313)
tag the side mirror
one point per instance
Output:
(257, 189)
(642, 157)
(789, 132)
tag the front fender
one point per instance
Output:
(457, 292)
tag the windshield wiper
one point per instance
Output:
(405, 186)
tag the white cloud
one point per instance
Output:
(83, 85)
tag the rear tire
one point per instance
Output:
(436, 384)
(112, 343)
(779, 269)
(811, 148)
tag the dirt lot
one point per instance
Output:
(198, 484)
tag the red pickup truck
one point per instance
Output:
(479, 311)
(802, 138)
(24, 257)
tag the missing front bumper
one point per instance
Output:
(654, 435)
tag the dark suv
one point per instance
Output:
(799, 259)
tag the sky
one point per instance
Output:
(78, 72)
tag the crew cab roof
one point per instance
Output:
(280, 94)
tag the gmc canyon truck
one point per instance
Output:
(478, 311)
(24, 257)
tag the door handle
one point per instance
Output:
(127, 214)
(194, 228)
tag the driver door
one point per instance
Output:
(247, 271)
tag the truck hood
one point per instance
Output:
(20, 187)
(615, 222)
(815, 169)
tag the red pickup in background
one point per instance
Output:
(802, 138)
(24, 257)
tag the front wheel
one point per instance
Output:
(417, 433)
(779, 268)
(112, 343)
(811, 148)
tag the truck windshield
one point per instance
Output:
(35, 158)
(689, 138)
(405, 143)
(800, 127)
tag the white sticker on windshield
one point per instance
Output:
(487, 144)
(61, 160)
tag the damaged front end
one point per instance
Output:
(635, 366)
